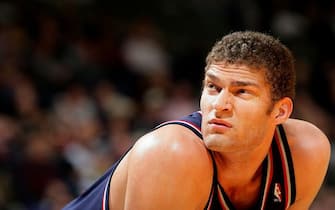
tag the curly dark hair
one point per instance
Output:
(259, 51)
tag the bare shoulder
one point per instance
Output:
(174, 144)
(173, 149)
(310, 150)
(304, 136)
(168, 168)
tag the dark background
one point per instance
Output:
(81, 80)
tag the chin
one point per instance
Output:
(211, 141)
(216, 142)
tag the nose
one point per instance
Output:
(223, 101)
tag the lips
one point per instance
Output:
(220, 122)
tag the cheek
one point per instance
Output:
(255, 119)
(252, 115)
(203, 102)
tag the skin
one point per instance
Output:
(170, 168)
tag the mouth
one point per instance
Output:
(219, 122)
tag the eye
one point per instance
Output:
(242, 91)
(212, 87)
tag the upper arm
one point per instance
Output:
(310, 150)
(167, 170)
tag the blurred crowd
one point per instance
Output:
(81, 81)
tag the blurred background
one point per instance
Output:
(81, 80)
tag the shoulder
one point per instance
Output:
(305, 137)
(175, 158)
(310, 149)
(175, 147)
(171, 140)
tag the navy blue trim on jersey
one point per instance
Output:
(289, 161)
(92, 198)
(96, 197)
(192, 122)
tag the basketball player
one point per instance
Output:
(241, 151)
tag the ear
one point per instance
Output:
(283, 110)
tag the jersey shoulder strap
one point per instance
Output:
(192, 122)
(287, 163)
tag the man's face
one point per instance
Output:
(236, 107)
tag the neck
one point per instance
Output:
(240, 178)
(239, 169)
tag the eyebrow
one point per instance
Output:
(233, 83)
(244, 83)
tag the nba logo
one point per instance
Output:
(277, 193)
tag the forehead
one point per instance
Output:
(235, 72)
